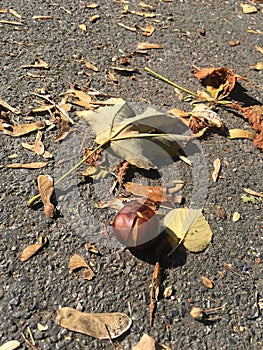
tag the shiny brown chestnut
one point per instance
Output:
(136, 225)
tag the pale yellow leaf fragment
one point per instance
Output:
(148, 46)
(257, 66)
(14, 13)
(236, 216)
(260, 49)
(217, 168)
(91, 6)
(10, 345)
(247, 9)
(10, 108)
(97, 325)
(168, 292)
(94, 18)
(83, 27)
(41, 17)
(240, 134)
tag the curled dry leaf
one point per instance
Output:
(46, 188)
(217, 168)
(207, 282)
(32, 249)
(97, 325)
(218, 81)
(190, 226)
(19, 130)
(76, 262)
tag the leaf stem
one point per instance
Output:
(157, 75)
(33, 199)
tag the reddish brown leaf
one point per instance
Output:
(156, 194)
(219, 81)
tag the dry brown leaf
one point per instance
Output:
(168, 292)
(80, 98)
(125, 70)
(76, 262)
(39, 63)
(10, 108)
(37, 146)
(148, 30)
(36, 165)
(19, 130)
(131, 29)
(97, 325)
(94, 18)
(148, 46)
(14, 13)
(91, 248)
(253, 193)
(207, 282)
(218, 81)
(156, 194)
(32, 249)
(146, 343)
(46, 188)
(217, 168)
(234, 42)
(91, 66)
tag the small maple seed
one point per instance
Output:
(136, 225)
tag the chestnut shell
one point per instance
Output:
(136, 225)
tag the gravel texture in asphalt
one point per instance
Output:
(192, 33)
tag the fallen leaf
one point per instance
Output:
(94, 18)
(83, 27)
(260, 49)
(36, 165)
(253, 193)
(10, 345)
(91, 66)
(207, 282)
(91, 6)
(23, 129)
(46, 188)
(32, 249)
(39, 63)
(131, 29)
(240, 134)
(80, 98)
(206, 118)
(156, 194)
(258, 66)
(148, 46)
(190, 226)
(125, 70)
(146, 6)
(97, 325)
(133, 137)
(42, 17)
(42, 328)
(10, 108)
(217, 168)
(247, 9)
(91, 248)
(197, 313)
(168, 292)
(148, 30)
(76, 262)
(234, 42)
(236, 216)
(146, 343)
(218, 81)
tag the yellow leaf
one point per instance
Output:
(240, 134)
(190, 226)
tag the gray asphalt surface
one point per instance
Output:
(191, 33)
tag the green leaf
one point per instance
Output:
(190, 226)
